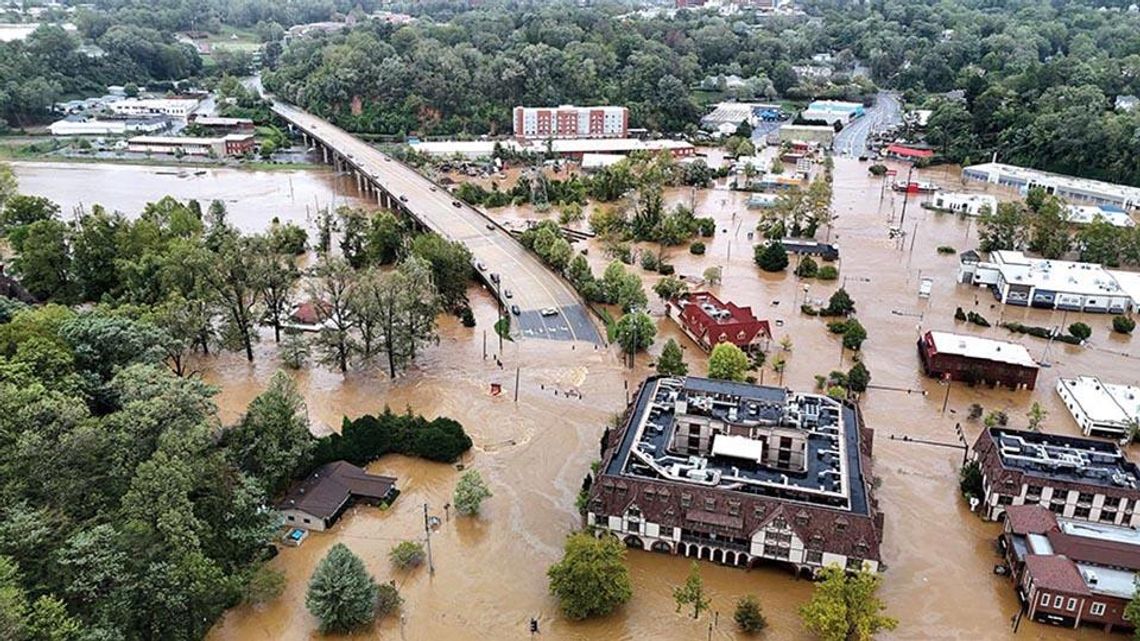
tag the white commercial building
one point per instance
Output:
(832, 111)
(1017, 279)
(1086, 214)
(734, 113)
(174, 107)
(82, 126)
(568, 121)
(578, 148)
(1077, 190)
(968, 204)
(1101, 409)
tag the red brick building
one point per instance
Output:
(1069, 572)
(708, 321)
(972, 359)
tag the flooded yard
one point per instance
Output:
(490, 571)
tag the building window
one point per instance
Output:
(292, 518)
(1071, 605)
(1058, 601)
(813, 556)
(686, 499)
(1033, 490)
(1045, 599)
(1084, 497)
(308, 521)
(1081, 513)
(1097, 609)
(710, 504)
(854, 564)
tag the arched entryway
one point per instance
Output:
(634, 542)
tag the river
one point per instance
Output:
(490, 570)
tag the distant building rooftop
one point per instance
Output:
(1071, 187)
(1103, 403)
(325, 492)
(1086, 214)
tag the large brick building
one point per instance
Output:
(972, 359)
(1075, 478)
(569, 121)
(740, 475)
(1070, 572)
(708, 321)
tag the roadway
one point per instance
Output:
(533, 286)
(852, 140)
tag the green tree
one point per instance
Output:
(265, 584)
(13, 601)
(712, 275)
(272, 441)
(844, 607)
(21, 210)
(591, 580)
(233, 280)
(1004, 229)
(635, 332)
(854, 334)
(970, 481)
(728, 362)
(1131, 611)
(1036, 415)
(49, 620)
(672, 361)
(1100, 242)
(1123, 324)
(44, 263)
(470, 492)
(772, 257)
(406, 555)
(692, 592)
(331, 291)
(840, 303)
(670, 287)
(276, 277)
(748, 616)
(1080, 330)
(8, 185)
(858, 377)
(450, 266)
(342, 595)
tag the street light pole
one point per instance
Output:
(427, 536)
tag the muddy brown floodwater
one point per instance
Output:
(490, 571)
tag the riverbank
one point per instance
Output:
(6, 154)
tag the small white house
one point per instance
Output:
(960, 203)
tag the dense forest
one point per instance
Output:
(1032, 81)
(127, 509)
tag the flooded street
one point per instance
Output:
(490, 571)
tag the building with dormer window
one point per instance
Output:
(740, 475)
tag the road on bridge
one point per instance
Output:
(533, 286)
(852, 140)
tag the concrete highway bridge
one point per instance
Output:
(547, 307)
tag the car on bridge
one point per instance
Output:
(515, 310)
(508, 293)
(456, 203)
(549, 311)
(403, 198)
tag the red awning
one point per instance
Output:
(909, 152)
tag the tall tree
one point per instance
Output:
(331, 293)
(844, 607)
(232, 280)
(277, 276)
(692, 592)
(672, 361)
(342, 595)
(728, 362)
(272, 442)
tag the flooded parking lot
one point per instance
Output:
(490, 571)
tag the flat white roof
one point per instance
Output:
(738, 447)
(563, 146)
(978, 347)
(1109, 581)
(834, 105)
(1129, 283)
(1048, 178)
(1104, 402)
(600, 160)
(1100, 531)
(1058, 275)
(1085, 214)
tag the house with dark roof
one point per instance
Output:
(317, 502)
(1076, 478)
(740, 475)
(1069, 572)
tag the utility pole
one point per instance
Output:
(484, 344)
(517, 368)
(427, 536)
(906, 196)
